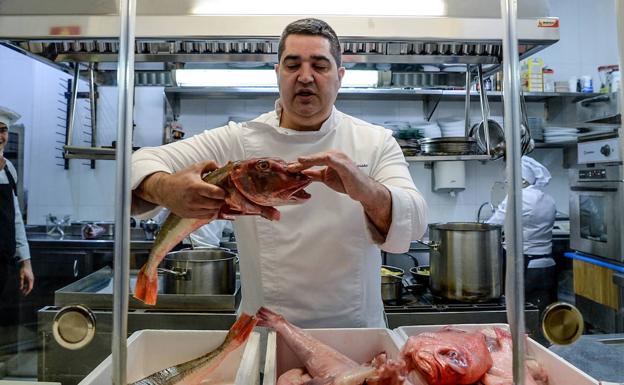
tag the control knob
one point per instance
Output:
(605, 150)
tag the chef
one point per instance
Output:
(538, 219)
(13, 243)
(319, 265)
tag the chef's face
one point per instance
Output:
(309, 79)
(4, 136)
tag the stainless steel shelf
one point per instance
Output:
(360, 93)
(435, 158)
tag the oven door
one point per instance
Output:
(594, 228)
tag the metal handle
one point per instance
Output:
(596, 99)
(433, 245)
(179, 275)
(485, 110)
(75, 268)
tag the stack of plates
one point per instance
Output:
(560, 134)
(452, 126)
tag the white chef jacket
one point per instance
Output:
(538, 219)
(319, 265)
(22, 252)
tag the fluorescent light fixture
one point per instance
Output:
(257, 78)
(321, 7)
(225, 78)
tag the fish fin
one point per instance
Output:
(267, 317)
(270, 213)
(146, 289)
(241, 329)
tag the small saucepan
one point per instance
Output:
(391, 283)
(421, 274)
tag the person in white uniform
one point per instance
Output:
(319, 265)
(538, 219)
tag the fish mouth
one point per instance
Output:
(297, 193)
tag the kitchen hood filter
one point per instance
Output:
(449, 176)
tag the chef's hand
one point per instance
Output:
(184, 193)
(343, 175)
(26, 277)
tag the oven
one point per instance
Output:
(596, 198)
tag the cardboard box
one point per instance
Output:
(361, 345)
(560, 372)
(152, 350)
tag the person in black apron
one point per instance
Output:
(13, 245)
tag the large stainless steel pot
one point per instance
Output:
(466, 261)
(200, 271)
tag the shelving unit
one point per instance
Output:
(360, 93)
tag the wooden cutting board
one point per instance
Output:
(595, 283)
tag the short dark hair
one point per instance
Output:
(312, 27)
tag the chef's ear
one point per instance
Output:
(341, 72)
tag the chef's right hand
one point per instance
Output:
(184, 193)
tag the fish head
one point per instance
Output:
(267, 182)
(436, 362)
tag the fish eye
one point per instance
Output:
(262, 165)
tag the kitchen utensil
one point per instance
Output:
(200, 271)
(421, 274)
(489, 134)
(391, 283)
(466, 261)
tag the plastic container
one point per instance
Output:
(152, 350)
(361, 345)
(560, 372)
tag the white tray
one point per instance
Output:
(152, 350)
(560, 372)
(361, 345)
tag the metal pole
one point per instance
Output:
(125, 84)
(467, 101)
(93, 107)
(71, 115)
(513, 219)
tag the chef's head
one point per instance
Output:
(308, 72)
(534, 173)
(7, 117)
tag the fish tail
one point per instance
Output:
(146, 288)
(267, 317)
(240, 330)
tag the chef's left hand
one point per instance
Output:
(26, 277)
(340, 173)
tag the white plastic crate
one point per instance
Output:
(361, 345)
(152, 350)
(560, 372)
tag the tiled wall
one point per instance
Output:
(32, 88)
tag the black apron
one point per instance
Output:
(7, 225)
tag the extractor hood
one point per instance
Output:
(207, 31)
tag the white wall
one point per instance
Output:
(587, 38)
(587, 41)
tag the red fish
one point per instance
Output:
(252, 187)
(324, 364)
(448, 357)
(499, 343)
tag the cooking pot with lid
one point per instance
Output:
(466, 261)
(200, 271)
